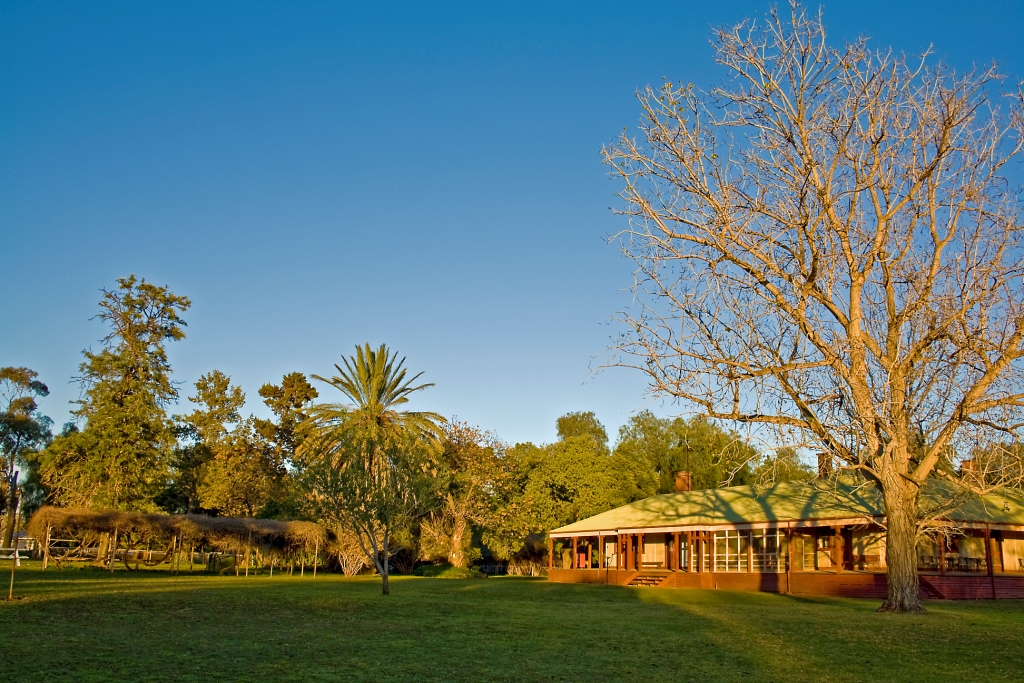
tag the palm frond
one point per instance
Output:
(375, 381)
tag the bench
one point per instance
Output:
(16, 554)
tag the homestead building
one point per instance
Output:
(821, 537)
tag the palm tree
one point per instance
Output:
(376, 386)
(362, 459)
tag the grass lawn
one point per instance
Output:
(90, 625)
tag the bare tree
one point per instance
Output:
(828, 246)
(347, 548)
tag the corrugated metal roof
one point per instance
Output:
(790, 502)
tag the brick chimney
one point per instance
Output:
(684, 481)
(824, 465)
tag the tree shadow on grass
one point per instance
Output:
(162, 627)
(336, 629)
(844, 639)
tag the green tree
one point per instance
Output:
(784, 465)
(513, 519)
(181, 495)
(200, 433)
(22, 432)
(713, 456)
(467, 468)
(582, 424)
(219, 405)
(120, 458)
(363, 465)
(243, 476)
(289, 402)
(544, 487)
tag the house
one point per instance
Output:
(820, 537)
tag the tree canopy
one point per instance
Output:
(543, 487)
(23, 431)
(714, 457)
(119, 458)
(466, 469)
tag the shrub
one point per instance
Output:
(446, 571)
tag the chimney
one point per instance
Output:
(684, 481)
(824, 465)
(970, 472)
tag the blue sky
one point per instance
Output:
(317, 175)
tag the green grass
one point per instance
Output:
(90, 625)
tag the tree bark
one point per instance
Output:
(12, 511)
(901, 546)
(385, 590)
(380, 555)
(455, 554)
(113, 552)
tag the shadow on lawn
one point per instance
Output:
(427, 629)
(287, 628)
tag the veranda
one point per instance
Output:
(800, 538)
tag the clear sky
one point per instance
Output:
(317, 175)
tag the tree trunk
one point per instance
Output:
(379, 556)
(383, 566)
(12, 511)
(102, 551)
(901, 546)
(113, 552)
(456, 555)
(46, 548)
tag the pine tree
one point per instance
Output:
(120, 457)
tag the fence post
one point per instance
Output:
(14, 563)
(113, 551)
(46, 548)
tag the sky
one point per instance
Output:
(320, 175)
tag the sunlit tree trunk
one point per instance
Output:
(12, 512)
(901, 546)
(457, 553)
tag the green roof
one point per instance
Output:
(794, 501)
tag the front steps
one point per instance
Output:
(649, 578)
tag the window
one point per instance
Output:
(766, 547)
(765, 550)
(731, 551)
